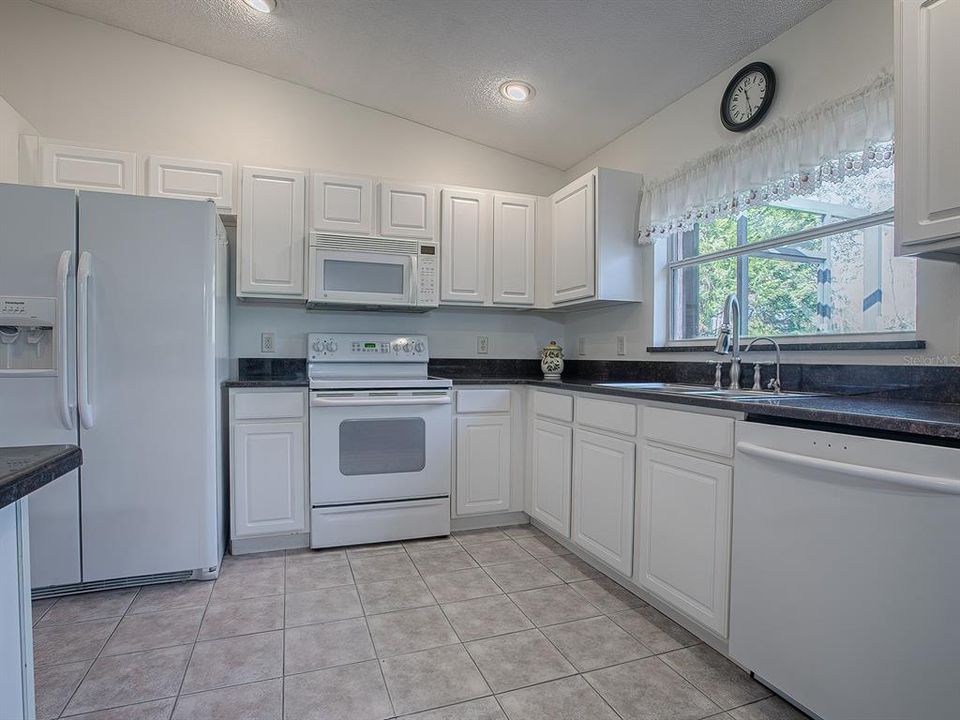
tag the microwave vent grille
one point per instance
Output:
(364, 244)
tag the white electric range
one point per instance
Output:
(380, 440)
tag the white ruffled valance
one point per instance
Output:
(791, 157)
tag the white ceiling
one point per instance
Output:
(599, 67)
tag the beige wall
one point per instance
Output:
(86, 82)
(12, 124)
(833, 52)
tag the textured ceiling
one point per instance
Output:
(599, 67)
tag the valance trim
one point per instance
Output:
(847, 136)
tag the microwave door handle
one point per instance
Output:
(320, 401)
(412, 281)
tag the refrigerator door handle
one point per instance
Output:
(84, 273)
(63, 384)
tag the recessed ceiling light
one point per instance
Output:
(264, 6)
(517, 91)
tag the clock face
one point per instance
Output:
(748, 97)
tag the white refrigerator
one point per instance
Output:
(113, 336)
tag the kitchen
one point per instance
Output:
(327, 467)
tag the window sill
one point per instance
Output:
(841, 346)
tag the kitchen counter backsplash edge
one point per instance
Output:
(939, 384)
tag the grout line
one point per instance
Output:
(99, 652)
(196, 638)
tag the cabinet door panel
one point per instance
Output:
(574, 240)
(271, 235)
(465, 246)
(552, 448)
(268, 478)
(604, 471)
(191, 180)
(514, 238)
(684, 547)
(928, 153)
(408, 211)
(80, 168)
(483, 464)
(342, 204)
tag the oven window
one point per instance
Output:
(382, 447)
(362, 277)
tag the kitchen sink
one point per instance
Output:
(705, 391)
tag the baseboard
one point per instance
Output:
(476, 522)
(244, 546)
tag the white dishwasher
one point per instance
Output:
(845, 578)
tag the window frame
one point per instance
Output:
(676, 306)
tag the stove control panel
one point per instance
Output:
(348, 347)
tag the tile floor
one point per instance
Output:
(484, 625)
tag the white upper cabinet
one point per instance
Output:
(82, 168)
(271, 247)
(551, 448)
(466, 238)
(574, 239)
(514, 246)
(592, 241)
(604, 474)
(483, 464)
(341, 204)
(684, 524)
(408, 211)
(192, 180)
(928, 149)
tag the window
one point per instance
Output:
(820, 262)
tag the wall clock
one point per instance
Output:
(748, 97)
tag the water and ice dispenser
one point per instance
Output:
(27, 335)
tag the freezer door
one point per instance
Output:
(37, 257)
(147, 377)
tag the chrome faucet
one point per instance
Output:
(774, 384)
(728, 341)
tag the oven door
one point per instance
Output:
(363, 278)
(379, 445)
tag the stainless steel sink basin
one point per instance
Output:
(705, 391)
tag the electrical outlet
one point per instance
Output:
(621, 345)
(581, 346)
(483, 344)
(268, 342)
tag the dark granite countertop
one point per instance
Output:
(257, 382)
(898, 400)
(930, 419)
(28, 468)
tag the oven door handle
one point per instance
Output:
(320, 401)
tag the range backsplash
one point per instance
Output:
(930, 384)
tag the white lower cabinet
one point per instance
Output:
(604, 474)
(551, 448)
(684, 533)
(268, 469)
(483, 464)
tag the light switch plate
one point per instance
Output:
(581, 346)
(268, 342)
(621, 345)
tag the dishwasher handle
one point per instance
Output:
(881, 476)
(385, 401)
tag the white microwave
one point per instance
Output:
(373, 272)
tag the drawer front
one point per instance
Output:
(268, 405)
(552, 405)
(380, 522)
(707, 433)
(483, 401)
(607, 415)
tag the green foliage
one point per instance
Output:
(782, 296)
